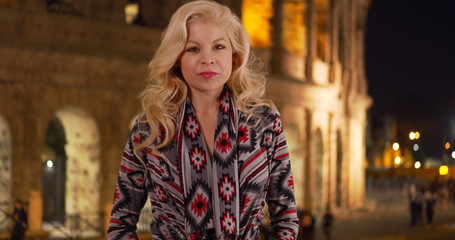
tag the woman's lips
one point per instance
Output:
(208, 75)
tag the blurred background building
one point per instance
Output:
(70, 73)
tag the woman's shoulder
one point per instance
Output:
(265, 111)
(265, 114)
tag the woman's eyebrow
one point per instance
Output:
(214, 41)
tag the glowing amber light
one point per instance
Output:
(443, 170)
(397, 160)
(417, 135)
(293, 27)
(131, 12)
(396, 146)
(256, 17)
(447, 146)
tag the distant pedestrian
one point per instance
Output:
(20, 221)
(444, 197)
(306, 228)
(430, 200)
(415, 206)
(327, 223)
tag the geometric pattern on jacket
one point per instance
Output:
(264, 177)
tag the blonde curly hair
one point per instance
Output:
(166, 89)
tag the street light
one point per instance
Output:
(396, 146)
(412, 135)
(443, 170)
(50, 164)
(447, 145)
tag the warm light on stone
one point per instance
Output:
(293, 28)
(83, 163)
(256, 17)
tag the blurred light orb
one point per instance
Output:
(453, 154)
(415, 147)
(417, 165)
(443, 170)
(447, 145)
(131, 12)
(397, 160)
(412, 135)
(49, 163)
(417, 135)
(396, 146)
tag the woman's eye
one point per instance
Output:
(192, 49)
(219, 47)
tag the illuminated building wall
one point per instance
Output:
(80, 63)
(256, 15)
(318, 82)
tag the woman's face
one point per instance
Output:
(206, 61)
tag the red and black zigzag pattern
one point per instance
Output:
(264, 175)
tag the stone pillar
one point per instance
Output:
(107, 214)
(35, 211)
(311, 37)
(277, 37)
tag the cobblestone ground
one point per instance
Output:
(389, 219)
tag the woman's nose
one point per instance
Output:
(208, 58)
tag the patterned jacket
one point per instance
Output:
(265, 179)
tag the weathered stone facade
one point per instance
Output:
(83, 67)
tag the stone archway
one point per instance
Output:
(82, 182)
(54, 172)
(5, 170)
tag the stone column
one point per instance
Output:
(107, 214)
(277, 48)
(311, 36)
(35, 211)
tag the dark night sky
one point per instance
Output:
(410, 66)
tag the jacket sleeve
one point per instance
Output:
(280, 196)
(130, 194)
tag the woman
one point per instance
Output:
(20, 221)
(208, 150)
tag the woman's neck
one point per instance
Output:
(205, 103)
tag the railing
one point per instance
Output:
(75, 226)
(72, 226)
